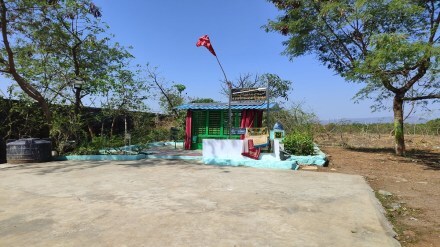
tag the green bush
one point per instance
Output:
(85, 150)
(159, 134)
(434, 126)
(299, 144)
(98, 143)
(140, 136)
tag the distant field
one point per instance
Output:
(376, 140)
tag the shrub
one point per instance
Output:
(434, 126)
(85, 150)
(97, 143)
(140, 136)
(299, 144)
(159, 134)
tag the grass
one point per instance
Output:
(392, 215)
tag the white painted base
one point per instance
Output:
(276, 148)
(224, 149)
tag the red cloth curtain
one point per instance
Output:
(188, 127)
(247, 119)
(260, 118)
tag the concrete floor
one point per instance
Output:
(179, 203)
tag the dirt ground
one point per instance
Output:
(414, 180)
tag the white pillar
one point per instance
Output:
(276, 148)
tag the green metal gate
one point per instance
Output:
(212, 124)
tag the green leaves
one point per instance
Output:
(278, 87)
(390, 46)
(55, 43)
(391, 42)
(297, 143)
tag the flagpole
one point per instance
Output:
(221, 67)
(230, 98)
(204, 41)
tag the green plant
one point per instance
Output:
(434, 126)
(98, 143)
(294, 117)
(86, 150)
(299, 143)
(159, 134)
(112, 142)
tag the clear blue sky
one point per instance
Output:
(164, 33)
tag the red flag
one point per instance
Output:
(204, 41)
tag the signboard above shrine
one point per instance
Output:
(248, 94)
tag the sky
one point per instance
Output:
(164, 33)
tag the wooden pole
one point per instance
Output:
(229, 109)
(221, 67)
(268, 124)
(267, 97)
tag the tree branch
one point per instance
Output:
(423, 67)
(3, 61)
(58, 93)
(344, 48)
(424, 64)
(334, 52)
(361, 46)
(153, 76)
(434, 25)
(429, 96)
(387, 84)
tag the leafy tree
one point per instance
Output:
(54, 43)
(180, 88)
(169, 96)
(278, 88)
(202, 100)
(295, 118)
(41, 40)
(11, 30)
(171, 100)
(434, 126)
(69, 43)
(127, 96)
(391, 46)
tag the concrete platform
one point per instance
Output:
(182, 203)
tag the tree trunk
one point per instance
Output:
(77, 100)
(398, 125)
(34, 94)
(91, 132)
(113, 126)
